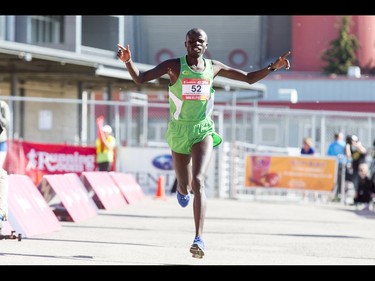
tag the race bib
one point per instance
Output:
(195, 89)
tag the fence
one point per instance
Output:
(137, 122)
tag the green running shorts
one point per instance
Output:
(182, 135)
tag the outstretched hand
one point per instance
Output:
(124, 53)
(282, 61)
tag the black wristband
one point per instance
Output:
(269, 67)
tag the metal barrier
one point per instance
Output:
(137, 122)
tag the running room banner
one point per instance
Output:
(304, 172)
(38, 159)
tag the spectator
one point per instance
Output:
(307, 147)
(337, 149)
(365, 188)
(356, 152)
(105, 149)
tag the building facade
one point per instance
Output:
(73, 57)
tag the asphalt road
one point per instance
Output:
(160, 232)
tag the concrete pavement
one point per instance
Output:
(160, 232)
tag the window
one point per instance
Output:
(47, 29)
(2, 28)
(100, 32)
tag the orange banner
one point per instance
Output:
(296, 172)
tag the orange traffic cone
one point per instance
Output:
(160, 192)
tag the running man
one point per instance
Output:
(191, 131)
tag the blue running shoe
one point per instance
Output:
(197, 248)
(183, 200)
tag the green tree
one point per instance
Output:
(342, 52)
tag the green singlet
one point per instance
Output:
(191, 102)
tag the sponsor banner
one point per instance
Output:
(72, 196)
(129, 187)
(38, 159)
(103, 190)
(29, 213)
(146, 164)
(304, 172)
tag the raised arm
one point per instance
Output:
(138, 77)
(250, 77)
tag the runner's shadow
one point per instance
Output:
(365, 213)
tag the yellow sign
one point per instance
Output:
(296, 172)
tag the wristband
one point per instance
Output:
(269, 67)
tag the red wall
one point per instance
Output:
(311, 35)
(364, 28)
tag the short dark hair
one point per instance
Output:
(196, 30)
(349, 139)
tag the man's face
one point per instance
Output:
(196, 44)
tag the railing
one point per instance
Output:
(137, 122)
